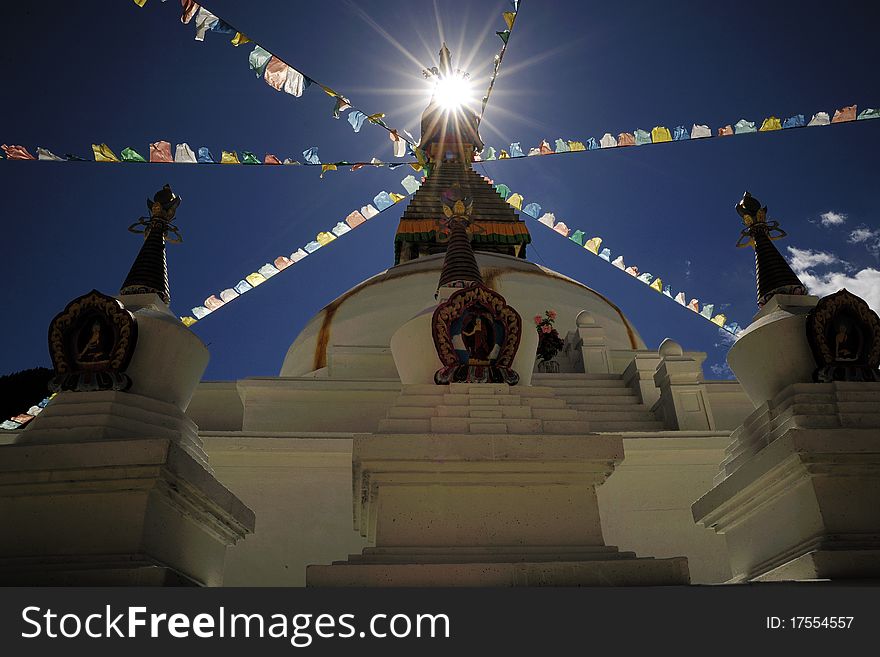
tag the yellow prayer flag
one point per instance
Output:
(515, 200)
(188, 321)
(255, 279)
(657, 284)
(396, 197)
(239, 39)
(229, 157)
(325, 238)
(372, 118)
(103, 153)
(660, 134)
(576, 146)
(719, 319)
(509, 17)
(140, 3)
(327, 167)
(770, 123)
(329, 91)
(592, 245)
(503, 155)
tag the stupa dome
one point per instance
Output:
(359, 324)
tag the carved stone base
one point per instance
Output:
(799, 494)
(131, 512)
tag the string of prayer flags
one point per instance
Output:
(509, 20)
(282, 262)
(662, 134)
(594, 244)
(18, 421)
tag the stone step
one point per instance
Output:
(512, 412)
(467, 425)
(567, 384)
(419, 400)
(404, 425)
(544, 402)
(646, 425)
(409, 412)
(550, 379)
(584, 402)
(608, 404)
(479, 388)
(568, 426)
(481, 400)
(587, 391)
(603, 415)
(556, 414)
(422, 389)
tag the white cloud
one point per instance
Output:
(726, 338)
(829, 219)
(802, 259)
(862, 234)
(864, 283)
(867, 236)
(721, 370)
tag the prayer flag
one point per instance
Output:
(102, 153)
(229, 157)
(660, 134)
(310, 155)
(770, 123)
(46, 154)
(258, 59)
(239, 39)
(131, 155)
(160, 151)
(20, 152)
(184, 154)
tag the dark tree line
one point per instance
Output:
(21, 390)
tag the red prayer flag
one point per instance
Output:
(160, 151)
(17, 152)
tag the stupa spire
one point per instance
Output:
(460, 267)
(149, 272)
(773, 275)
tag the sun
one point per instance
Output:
(453, 92)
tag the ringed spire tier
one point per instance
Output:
(449, 138)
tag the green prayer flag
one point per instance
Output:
(505, 35)
(249, 158)
(131, 155)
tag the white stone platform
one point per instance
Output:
(798, 496)
(495, 486)
(114, 512)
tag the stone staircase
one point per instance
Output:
(603, 400)
(560, 404)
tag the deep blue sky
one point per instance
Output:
(91, 72)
